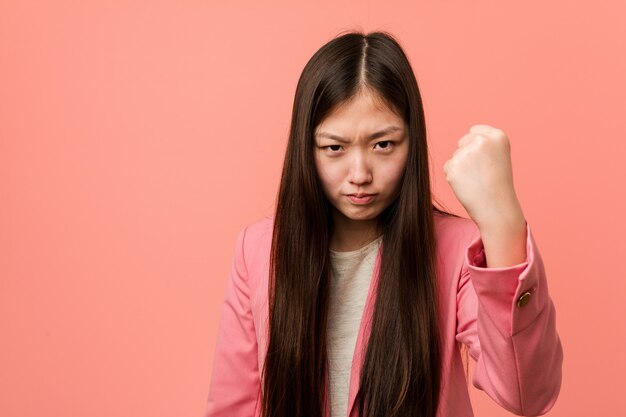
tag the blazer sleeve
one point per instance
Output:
(235, 383)
(507, 319)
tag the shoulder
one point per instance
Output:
(254, 241)
(454, 232)
(259, 229)
(453, 237)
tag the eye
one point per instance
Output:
(333, 148)
(385, 144)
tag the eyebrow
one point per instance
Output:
(376, 135)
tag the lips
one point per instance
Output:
(361, 198)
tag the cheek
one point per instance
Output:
(392, 173)
(328, 173)
(329, 182)
(324, 173)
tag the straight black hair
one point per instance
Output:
(401, 373)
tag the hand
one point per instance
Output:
(481, 176)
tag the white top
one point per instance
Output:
(350, 280)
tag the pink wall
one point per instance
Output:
(137, 138)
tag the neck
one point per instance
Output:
(349, 235)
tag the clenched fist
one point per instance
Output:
(481, 176)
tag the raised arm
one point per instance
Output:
(507, 319)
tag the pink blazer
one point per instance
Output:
(504, 315)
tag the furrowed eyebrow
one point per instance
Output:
(376, 135)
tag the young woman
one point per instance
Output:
(356, 297)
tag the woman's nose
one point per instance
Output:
(360, 171)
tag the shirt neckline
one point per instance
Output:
(348, 254)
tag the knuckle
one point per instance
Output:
(499, 133)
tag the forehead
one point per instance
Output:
(364, 113)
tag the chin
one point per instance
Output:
(369, 215)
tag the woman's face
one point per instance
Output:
(361, 148)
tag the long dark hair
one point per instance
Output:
(402, 365)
